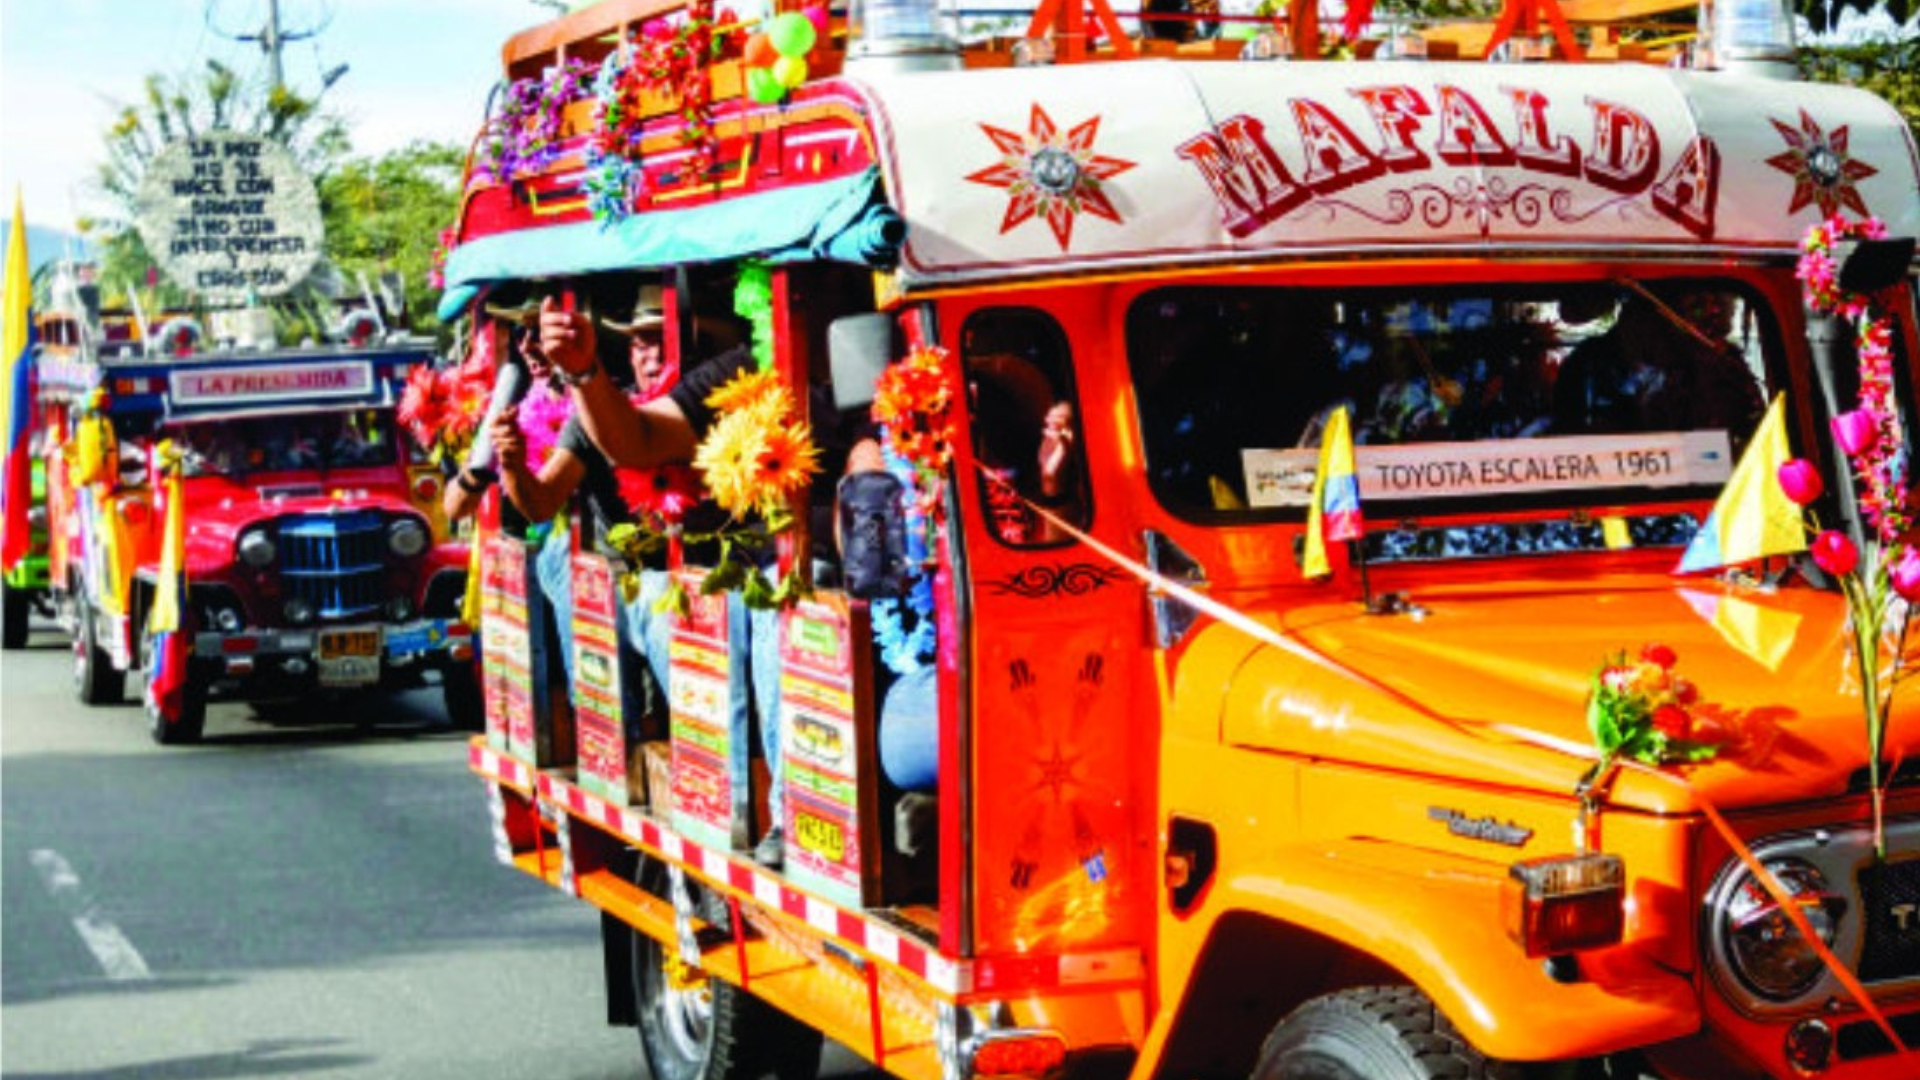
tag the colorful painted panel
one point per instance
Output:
(825, 740)
(596, 686)
(700, 706)
(506, 674)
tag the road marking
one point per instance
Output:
(117, 956)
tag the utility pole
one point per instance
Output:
(272, 40)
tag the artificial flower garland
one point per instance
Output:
(904, 627)
(1881, 582)
(913, 403)
(441, 407)
(522, 137)
(666, 59)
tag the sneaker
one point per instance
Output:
(771, 851)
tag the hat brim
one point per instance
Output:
(527, 314)
(651, 321)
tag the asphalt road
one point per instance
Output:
(304, 895)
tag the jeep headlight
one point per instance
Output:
(256, 548)
(1761, 943)
(407, 538)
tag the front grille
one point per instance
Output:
(1890, 901)
(336, 562)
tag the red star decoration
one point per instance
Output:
(1051, 175)
(1821, 168)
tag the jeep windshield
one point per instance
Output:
(1461, 400)
(299, 442)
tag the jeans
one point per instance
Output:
(644, 637)
(753, 684)
(553, 566)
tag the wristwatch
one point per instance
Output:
(582, 377)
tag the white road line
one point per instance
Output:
(117, 956)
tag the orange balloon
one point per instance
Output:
(760, 51)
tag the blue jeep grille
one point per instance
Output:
(336, 562)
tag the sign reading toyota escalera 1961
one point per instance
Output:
(229, 215)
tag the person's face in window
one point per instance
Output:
(1710, 312)
(528, 344)
(649, 355)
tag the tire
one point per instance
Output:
(460, 692)
(15, 606)
(191, 724)
(714, 1031)
(1370, 1033)
(95, 680)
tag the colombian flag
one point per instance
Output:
(1753, 517)
(16, 398)
(1333, 511)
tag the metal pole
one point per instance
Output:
(271, 42)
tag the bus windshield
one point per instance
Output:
(1540, 395)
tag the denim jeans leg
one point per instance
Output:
(740, 719)
(656, 643)
(766, 697)
(554, 567)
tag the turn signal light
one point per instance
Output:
(1564, 904)
(1018, 1053)
(426, 487)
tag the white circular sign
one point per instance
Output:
(230, 216)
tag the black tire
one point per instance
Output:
(191, 724)
(15, 606)
(1370, 1033)
(714, 1031)
(95, 680)
(460, 693)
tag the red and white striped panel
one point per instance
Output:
(505, 768)
(1000, 976)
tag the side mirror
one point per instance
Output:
(1868, 266)
(859, 348)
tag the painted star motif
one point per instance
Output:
(1822, 170)
(1051, 175)
(1056, 772)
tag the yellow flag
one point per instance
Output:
(1753, 517)
(173, 549)
(1333, 511)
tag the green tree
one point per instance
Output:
(384, 215)
(1889, 67)
(1823, 15)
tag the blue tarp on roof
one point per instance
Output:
(841, 220)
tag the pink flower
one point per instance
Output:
(1672, 721)
(1834, 553)
(1617, 679)
(1906, 575)
(1855, 431)
(1801, 481)
(1661, 656)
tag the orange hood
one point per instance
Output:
(1444, 689)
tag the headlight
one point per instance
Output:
(1763, 946)
(256, 548)
(299, 612)
(407, 538)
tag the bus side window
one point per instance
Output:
(1026, 425)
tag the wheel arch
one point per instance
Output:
(1361, 913)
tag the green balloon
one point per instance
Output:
(792, 34)
(763, 87)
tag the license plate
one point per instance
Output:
(349, 657)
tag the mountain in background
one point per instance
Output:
(46, 242)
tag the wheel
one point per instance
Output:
(192, 721)
(460, 692)
(95, 679)
(15, 606)
(1370, 1033)
(712, 1030)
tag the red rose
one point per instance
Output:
(1834, 553)
(1685, 692)
(1660, 656)
(1672, 721)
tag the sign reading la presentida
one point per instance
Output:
(227, 215)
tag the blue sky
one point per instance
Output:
(420, 69)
